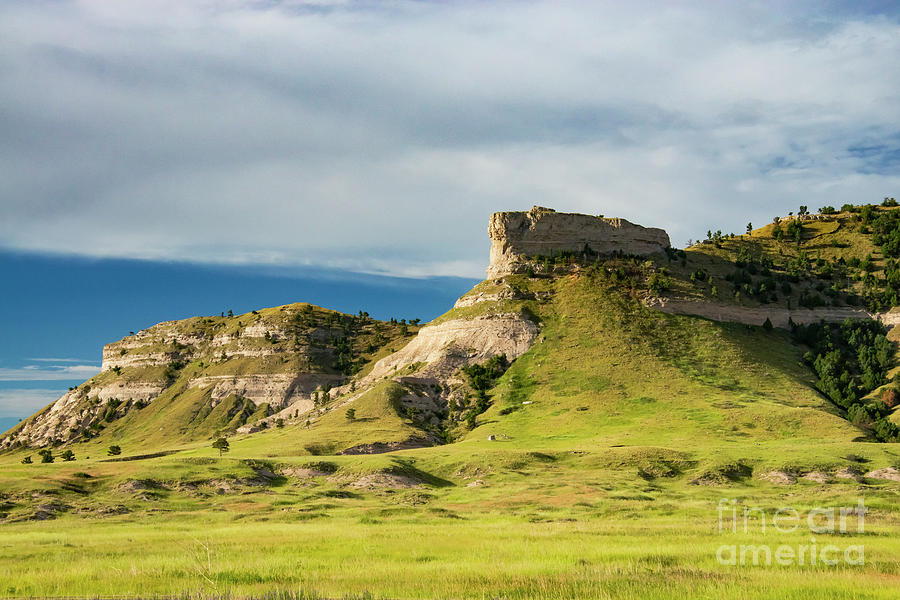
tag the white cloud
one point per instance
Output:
(56, 360)
(48, 373)
(379, 136)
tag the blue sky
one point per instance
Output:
(207, 142)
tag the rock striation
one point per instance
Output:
(516, 236)
(778, 317)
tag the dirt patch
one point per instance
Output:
(385, 480)
(303, 472)
(817, 477)
(779, 478)
(723, 474)
(139, 485)
(48, 511)
(382, 447)
(887, 474)
(115, 509)
(848, 473)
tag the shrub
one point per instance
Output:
(659, 283)
(46, 455)
(26, 460)
(114, 450)
(351, 414)
(67, 456)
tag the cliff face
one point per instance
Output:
(543, 231)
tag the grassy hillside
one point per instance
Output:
(611, 371)
(842, 258)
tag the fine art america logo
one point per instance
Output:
(757, 522)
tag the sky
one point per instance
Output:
(366, 143)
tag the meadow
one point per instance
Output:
(551, 526)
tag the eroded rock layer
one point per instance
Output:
(516, 236)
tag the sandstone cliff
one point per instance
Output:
(515, 236)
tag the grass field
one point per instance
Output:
(538, 527)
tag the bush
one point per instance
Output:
(114, 450)
(46, 455)
(659, 283)
(351, 414)
(26, 460)
(67, 456)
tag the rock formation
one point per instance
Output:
(515, 236)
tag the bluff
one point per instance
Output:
(515, 236)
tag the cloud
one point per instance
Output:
(378, 137)
(56, 360)
(48, 372)
(17, 403)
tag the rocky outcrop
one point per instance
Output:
(543, 231)
(427, 368)
(779, 317)
(507, 293)
(78, 407)
(278, 390)
(446, 347)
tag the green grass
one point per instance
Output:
(555, 526)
